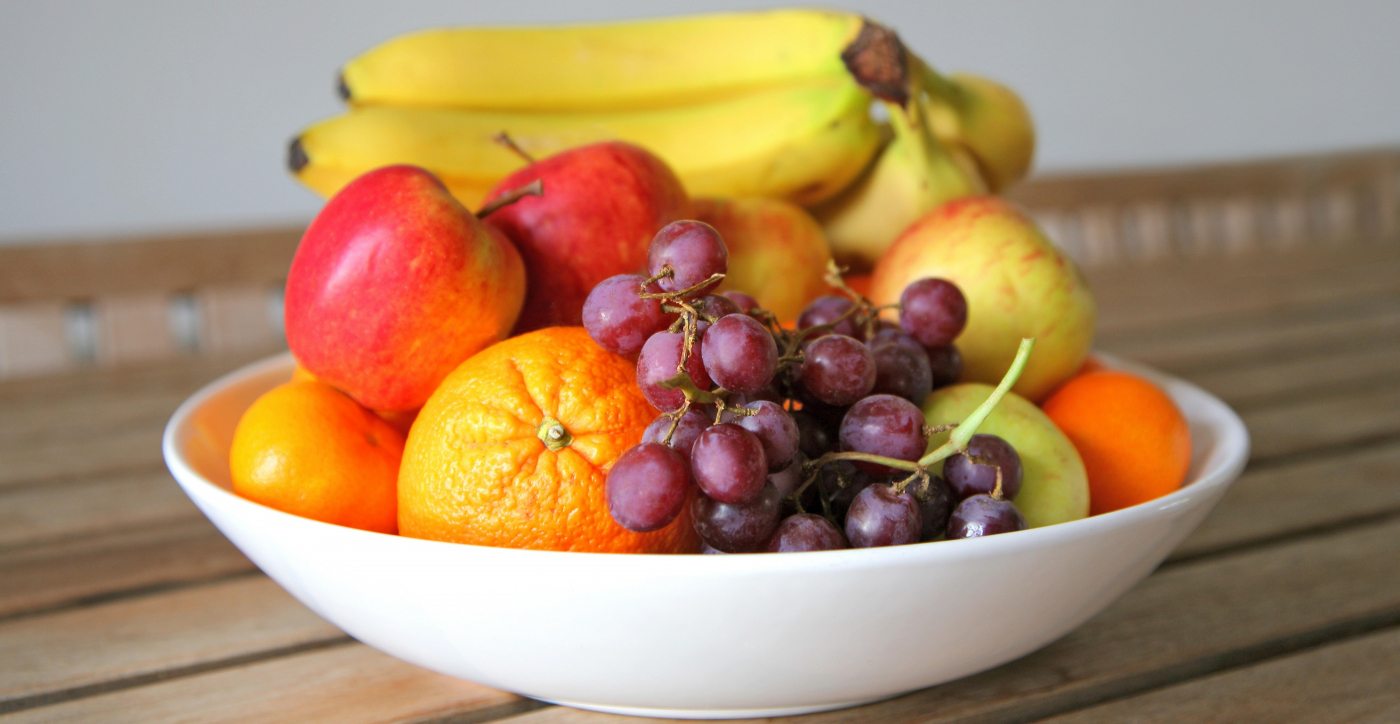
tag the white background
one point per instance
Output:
(149, 116)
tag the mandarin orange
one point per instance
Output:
(1134, 441)
(308, 449)
(513, 449)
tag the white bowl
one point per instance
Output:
(702, 636)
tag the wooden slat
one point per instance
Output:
(1375, 324)
(80, 458)
(1337, 421)
(345, 683)
(1340, 370)
(114, 416)
(90, 567)
(34, 339)
(1322, 491)
(233, 318)
(45, 513)
(90, 647)
(133, 327)
(1264, 177)
(89, 270)
(1187, 292)
(1350, 681)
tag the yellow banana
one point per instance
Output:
(986, 118)
(603, 66)
(801, 142)
(908, 178)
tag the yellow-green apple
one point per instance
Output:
(595, 215)
(1054, 486)
(394, 284)
(1017, 284)
(777, 252)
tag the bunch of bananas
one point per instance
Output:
(772, 103)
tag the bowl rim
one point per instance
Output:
(1224, 469)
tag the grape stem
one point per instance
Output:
(957, 440)
(959, 437)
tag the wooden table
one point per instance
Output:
(119, 601)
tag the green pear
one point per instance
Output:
(1054, 487)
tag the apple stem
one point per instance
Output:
(958, 439)
(504, 139)
(534, 188)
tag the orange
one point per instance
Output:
(1135, 443)
(308, 449)
(514, 446)
(512, 450)
(402, 420)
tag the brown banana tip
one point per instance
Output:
(296, 156)
(878, 61)
(341, 88)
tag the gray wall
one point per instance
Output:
(151, 115)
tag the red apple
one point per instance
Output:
(777, 251)
(394, 284)
(598, 208)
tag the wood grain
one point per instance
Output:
(95, 646)
(49, 513)
(92, 269)
(86, 569)
(1352, 681)
(345, 683)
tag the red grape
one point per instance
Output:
(716, 305)
(729, 464)
(974, 470)
(982, 515)
(693, 250)
(814, 435)
(837, 369)
(657, 363)
(880, 516)
(646, 487)
(618, 318)
(945, 362)
(737, 528)
(739, 353)
(775, 428)
(935, 504)
(805, 532)
(691, 424)
(901, 369)
(745, 303)
(826, 310)
(787, 479)
(933, 311)
(884, 425)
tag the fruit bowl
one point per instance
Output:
(702, 636)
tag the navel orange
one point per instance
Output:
(514, 446)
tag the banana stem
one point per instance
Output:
(936, 84)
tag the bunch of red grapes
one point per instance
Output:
(802, 439)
